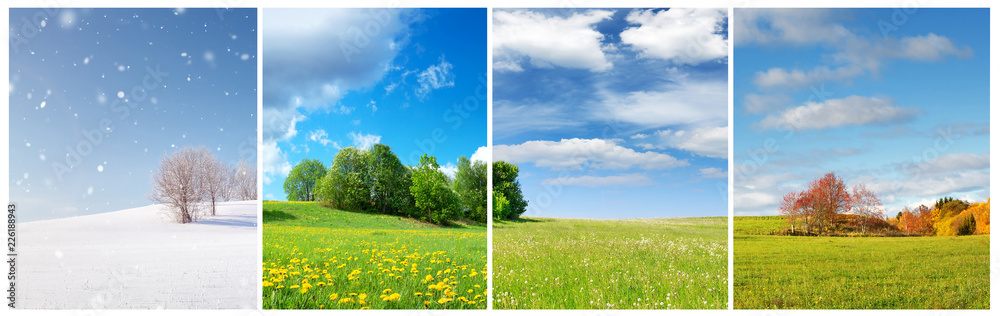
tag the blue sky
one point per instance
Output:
(613, 113)
(413, 79)
(896, 100)
(98, 96)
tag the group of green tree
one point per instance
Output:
(375, 181)
(827, 206)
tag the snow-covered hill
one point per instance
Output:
(135, 258)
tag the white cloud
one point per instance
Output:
(631, 180)
(483, 154)
(321, 137)
(683, 36)
(952, 162)
(279, 125)
(852, 110)
(449, 170)
(639, 136)
(704, 141)
(435, 77)
(753, 199)
(928, 47)
(576, 154)
(338, 61)
(364, 141)
(713, 173)
(548, 41)
(855, 53)
(778, 77)
(275, 163)
(787, 26)
(755, 103)
(683, 103)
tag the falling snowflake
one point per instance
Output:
(121, 94)
(100, 168)
(42, 105)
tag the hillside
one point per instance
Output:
(135, 259)
(315, 214)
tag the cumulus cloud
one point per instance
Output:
(483, 154)
(546, 41)
(364, 141)
(630, 180)
(703, 141)
(449, 169)
(338, 62)
(713, 173)
(576, 154)
(683, 36)
(435, 77)
(852, 110)
(686, 102)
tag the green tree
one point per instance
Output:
(434, 201)
(501, 209)
(505, 182)
(471, 187)
(390, 180)
(347, 185)
(301, 181)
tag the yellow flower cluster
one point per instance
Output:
(339, 268)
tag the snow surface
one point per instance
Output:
(137, 259)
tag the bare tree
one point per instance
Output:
(245, 181)
(177, 183)
(214, 174)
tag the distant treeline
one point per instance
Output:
(827, 207)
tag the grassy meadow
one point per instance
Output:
(315, 257)
(669, 263)
(794, 272)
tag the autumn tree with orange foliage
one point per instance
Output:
(819, 205)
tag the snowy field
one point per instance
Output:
(136, 259)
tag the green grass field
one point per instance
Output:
(546, 263)
(796, 272)
(320, 258)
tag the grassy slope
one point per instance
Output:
(856, 273)
(390, 253)
(545, 263)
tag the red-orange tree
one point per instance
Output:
(818, 206)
